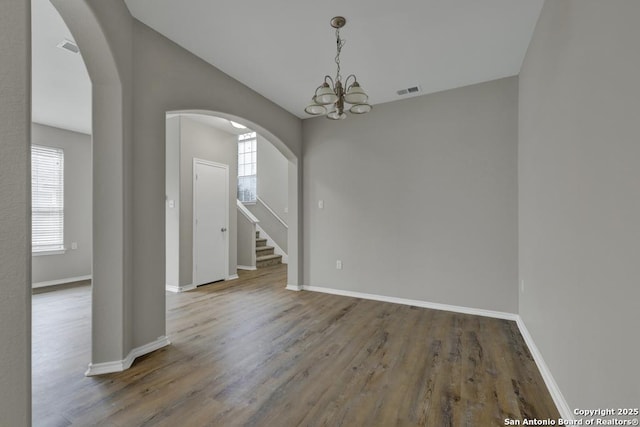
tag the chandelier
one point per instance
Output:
(330, 97)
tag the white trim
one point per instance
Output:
(61, 281)
(296, 288)
(552, 386)
(49, 252)
(416, 303)
(178, 289)
(226, 215)
(246, 212)
(276, 248)
(272, 212)
(246, 267)
(232, 277)
(121, 365)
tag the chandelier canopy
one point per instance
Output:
(330, 96)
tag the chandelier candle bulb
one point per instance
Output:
(332, 93)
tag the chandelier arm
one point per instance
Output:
(346, 81)
(332, 83)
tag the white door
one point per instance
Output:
(210, 221)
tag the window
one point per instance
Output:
(247, 151)
(47, 199)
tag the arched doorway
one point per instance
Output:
(111, 139)
(292, 183)
(129, 310)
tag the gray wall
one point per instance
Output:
(137, 76)
(104, 33)
(168, 78)
(15, 214)
(172, 215)
(246, 241)
(208, 143)
(580, 199)
(270, 224)
(420, 198)
(77, 205)
(272, 177)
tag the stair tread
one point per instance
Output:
(263, 248)
(268, 257)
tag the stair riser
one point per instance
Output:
(268, 263)
(261, 242)
(263, 252)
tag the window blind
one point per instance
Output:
(47, 198)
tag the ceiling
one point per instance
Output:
(219, 123)
(61, 89)
(283, 48)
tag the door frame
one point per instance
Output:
(197, 161)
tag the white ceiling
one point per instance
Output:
(283, 48)
(219, 123)
(61, 89)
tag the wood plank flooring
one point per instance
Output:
(250, 353)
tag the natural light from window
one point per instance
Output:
(47, 199)
(247, 153)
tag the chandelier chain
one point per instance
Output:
(339, 44)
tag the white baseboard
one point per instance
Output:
(246, 267)
(293, 288)
(552, 386)
(415, 303)
(232, 277)
(178, 289)
(61, 281)
(121, 365)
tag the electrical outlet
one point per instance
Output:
(339, 264)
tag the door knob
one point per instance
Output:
(223, 229)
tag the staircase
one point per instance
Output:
(264, 254)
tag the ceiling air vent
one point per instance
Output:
(69, 45)
(409, 90)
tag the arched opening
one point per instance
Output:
(61, 175)
(128, 292)
(111, 140)
(128, 315)
(179, 277)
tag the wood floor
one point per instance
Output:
(248, 352)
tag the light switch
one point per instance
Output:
(339, 264)
(321, 204)
(74, 245)
(172, 203)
